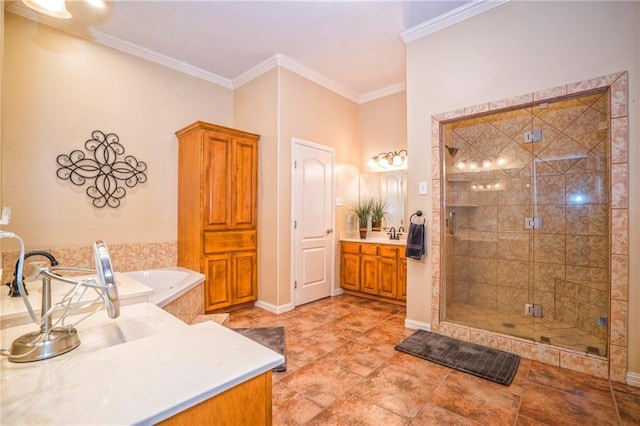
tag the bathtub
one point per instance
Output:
(168, 284)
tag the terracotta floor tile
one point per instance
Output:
(302, 352)
(482, 402)
(342, 369)
(395, 391)
(359, 358)
(628, 407)
(410, 365)
(322, 381)
(357, 322)
(351, 410)
(291, 407)
(525, 421)
(548, 405)
(591, 388)
(434, 415)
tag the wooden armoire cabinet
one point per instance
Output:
(218, 211)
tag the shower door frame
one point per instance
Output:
(614, 366)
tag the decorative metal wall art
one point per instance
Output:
(107, 169)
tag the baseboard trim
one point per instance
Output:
(417, 325)
(337, 291)
(273, 308)
(633, 379)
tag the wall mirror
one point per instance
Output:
(391, 187)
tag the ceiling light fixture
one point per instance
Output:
(392, 160)
(55, 8)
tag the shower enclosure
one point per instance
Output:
(526, 222)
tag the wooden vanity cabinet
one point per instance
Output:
(218, 212)
(382, 270)
(350, 266)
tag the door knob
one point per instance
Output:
(329, 231)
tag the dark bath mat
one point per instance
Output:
(492, 364)
(271, 337)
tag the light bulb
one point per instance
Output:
(501, 161)
(55, 8)
(460, 165)
(473, 166)
(486, 164)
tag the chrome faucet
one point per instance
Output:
(13, 285)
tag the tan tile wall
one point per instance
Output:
(124, 257)
(581, 237)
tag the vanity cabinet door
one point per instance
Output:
(245, 268)
(388, 277)
(369, 273)
(217, 181)
(402, 278)
(350, 271)
(218, 269)
(231, 279)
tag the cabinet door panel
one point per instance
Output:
(246, 280)
(217, 190)
(350, 271)
(218, 284)
(369, 274)
(402, 278)
(388, 274)
(245, 184)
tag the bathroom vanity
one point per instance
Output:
(374, 268)
(144, 367)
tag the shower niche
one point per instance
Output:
(525, 222)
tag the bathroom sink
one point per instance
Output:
(14, 312)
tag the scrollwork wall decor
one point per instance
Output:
(105, 166)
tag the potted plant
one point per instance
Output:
(362, 210)
(379, 209)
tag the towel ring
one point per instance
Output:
(417, 213)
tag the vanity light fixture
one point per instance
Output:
(57, 8)
(392, 160)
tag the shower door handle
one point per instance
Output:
(452, 222)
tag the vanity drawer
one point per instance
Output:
(350, 247)
(388, 251)
(371, 249)
(217, 242)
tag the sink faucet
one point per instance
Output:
(13, 285)
(392, 234)
(400, 231)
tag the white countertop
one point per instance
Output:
(140, 368)
(402, 242)
(13, 311)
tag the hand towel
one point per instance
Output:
(415, 241)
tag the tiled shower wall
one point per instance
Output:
(614, 366)
(496, 180)
(124, 257)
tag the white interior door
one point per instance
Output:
(312, 189)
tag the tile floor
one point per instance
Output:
(558, 333)
(342, 369)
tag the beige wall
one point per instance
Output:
(311, 112)
(382, 124)
(518, 48)
(57, 89)
(255, 109)
(280, 105)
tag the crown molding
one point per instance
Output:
(118, 44)
(296, 67)
(452, 17)
(381, 93)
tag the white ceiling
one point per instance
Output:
(352, 47)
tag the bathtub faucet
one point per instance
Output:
(13, 285)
